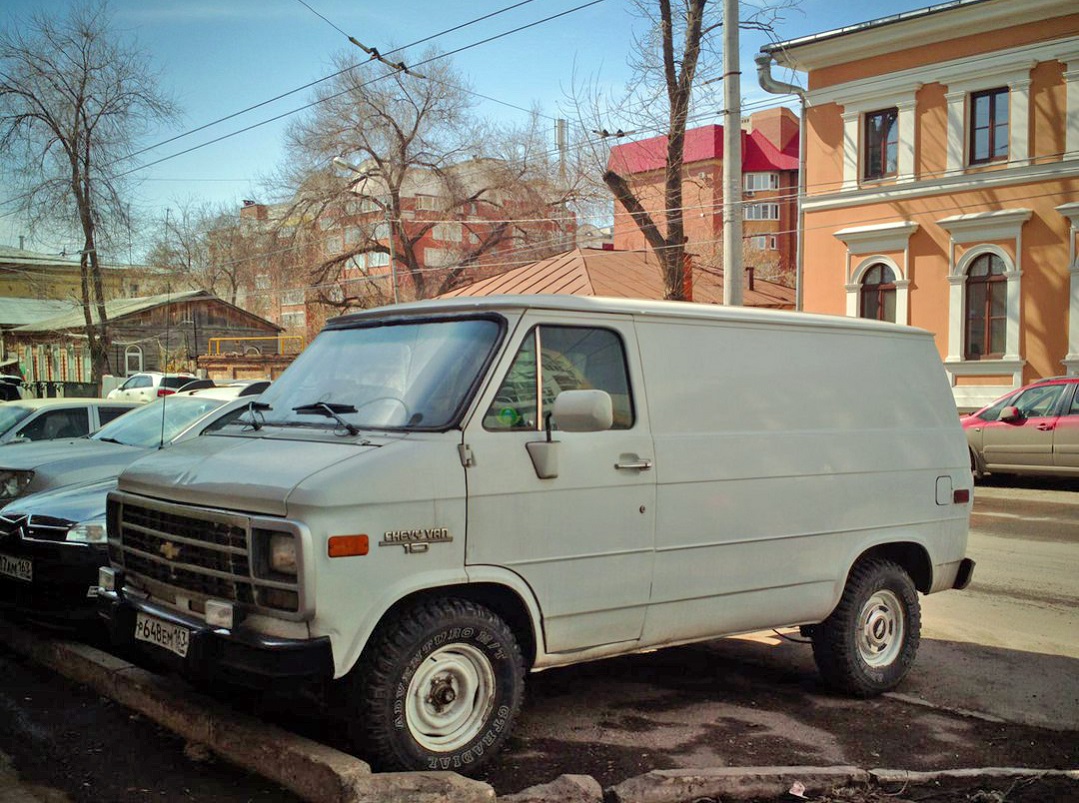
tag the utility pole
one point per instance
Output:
(732, 159)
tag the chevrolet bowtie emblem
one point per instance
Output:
(169, 550)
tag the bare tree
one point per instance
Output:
(675, 55)
(74, 98)
(420, 169)
(208, 247)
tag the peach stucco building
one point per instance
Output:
(942, 182)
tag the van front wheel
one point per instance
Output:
(868, 644)
(438, 689)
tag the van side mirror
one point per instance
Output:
(583, 411)
(1010, 413)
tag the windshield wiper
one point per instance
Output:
(254, 409)
(330, 410)
(110, 440)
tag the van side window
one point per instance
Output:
(571, 358)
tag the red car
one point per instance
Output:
(1033, 430)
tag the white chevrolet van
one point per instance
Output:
(438, 497)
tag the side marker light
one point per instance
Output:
(343, 546)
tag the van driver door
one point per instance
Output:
(582, 540)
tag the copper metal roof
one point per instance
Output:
(618, 274)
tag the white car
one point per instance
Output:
(28, 420)
(150, 385)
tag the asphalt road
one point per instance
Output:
(996, 683)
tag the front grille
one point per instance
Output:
(198, 553)
(37, 528)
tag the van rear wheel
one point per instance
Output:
(868, 644)
(438, 688)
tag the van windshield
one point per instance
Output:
(383, 376)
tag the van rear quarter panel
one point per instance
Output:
(782, 452)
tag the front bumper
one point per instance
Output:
(63, 575)
(238, 655)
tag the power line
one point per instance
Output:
(347, 91)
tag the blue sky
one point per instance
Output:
(217, 57)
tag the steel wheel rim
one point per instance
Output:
(881, 629)
(450, 697)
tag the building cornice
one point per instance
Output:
(915, 29)
(958, 75)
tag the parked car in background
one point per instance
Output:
(38, 467)
(27, 420)
(10, 387)
(53, 542)
(149, 385)
(1033, 430)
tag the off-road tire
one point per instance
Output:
(438, 688)
(868, 644)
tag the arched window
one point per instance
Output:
(878, 293)
(132, 360)
(986, 309)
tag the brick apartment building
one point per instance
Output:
(769, 187)
(456, 227)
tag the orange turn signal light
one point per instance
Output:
(342, 546)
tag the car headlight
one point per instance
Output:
(88, 532)
(13, 483)
(283, 553)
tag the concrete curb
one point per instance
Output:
(313, 771)
(910, 776)
(732, 783)
(321, 774)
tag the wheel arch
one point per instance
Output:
(501, 600)
(911, 556)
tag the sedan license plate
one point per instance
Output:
(19, 568)
(173, 638)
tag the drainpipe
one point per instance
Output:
(776, 87)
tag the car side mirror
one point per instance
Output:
(583, 411)
(1010, 413)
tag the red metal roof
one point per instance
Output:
(619, 274)
(703, 144)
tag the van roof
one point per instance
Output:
(623, 306)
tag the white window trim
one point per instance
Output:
(855, 108)
(772, 181)
(129, 352)
(902, 288)
(960, 77)
(1071, 360)
(1071, 115)
(766, 206)
(1017, 80)
(978, 229)
(872, 241)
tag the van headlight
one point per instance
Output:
(283, 553)
(88, 532)
(13, 483)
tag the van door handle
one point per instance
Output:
(1044, 427)
(640, 464)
